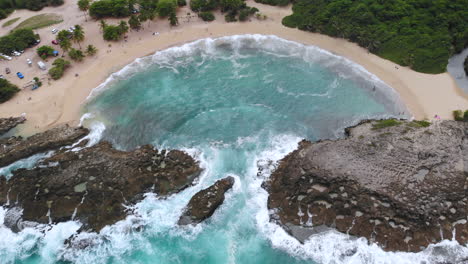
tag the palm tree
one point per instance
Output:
(83, 5)
(102, 24)
(78, 34)
(64, 39)
(91, 50)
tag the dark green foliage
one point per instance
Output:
(203, 5)
(274, 2)
(458, 115)
(134, 22)
(385, 123)
(206, 16)
(231, 16)
(166, 7)
(4, 13)
(465, 65)
(421, 34)
(45, 51)
(244, 14)
(60, 65)
(181, 2)
(91, 50)
(76, 55)
(17, 40)
(111, 32)
(109, 8)
(173, 19)
(7, 6)
(7, 90)
(36, 80)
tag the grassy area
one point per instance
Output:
(385, 123)
(419, 123)
(11, 21)
(40, 21)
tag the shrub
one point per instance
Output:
(173, 19)
(419, 123)
(206, 16)
(166, 7)
(109, 8)
(45, 51)
(91, 50)
(115, 33)
(181, 2)
(385, 123)
(203, 5)
(274, 2)
(458, 115)
(465, 65)
(7, 90)
(76, 55)
(134, 22)
(231, 16)
(244, 14)
(60, 65)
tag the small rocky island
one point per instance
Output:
(400, 184)
(89, 184)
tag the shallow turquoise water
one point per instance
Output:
(237, 104)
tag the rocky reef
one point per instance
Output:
(205, 202)
(16, 148)
(400, 184)
(8, 123)
(87, 184)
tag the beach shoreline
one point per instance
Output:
(61, 101)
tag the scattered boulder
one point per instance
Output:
(400, 184)
(205, 202)
(6, 124)
(92, 184)
(16, 148)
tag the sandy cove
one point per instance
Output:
(60, 101)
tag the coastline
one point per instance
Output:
(60, 101)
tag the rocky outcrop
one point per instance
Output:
(8, 123)
(92, 184)
(205, 202)
(16, 148)
(402, 185)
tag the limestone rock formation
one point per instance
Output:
(400, 184)
(16, 148)
(204, 203)
(92, 184)
(8, 123)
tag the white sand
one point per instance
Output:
(60, 101)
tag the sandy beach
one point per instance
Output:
(60, 101)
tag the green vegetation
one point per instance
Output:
(63, 37)
(173, 19)
(110, 8)
(17, 40)
(385, 123)
(274, 2)
(465, 65)
(60, 65)
(419, 123)
(166, 7)
(78, 35)
(206, 16)
(421, 34)
(83, 5)
(91, 50)
(10, 22)
(232, 8)
(40, 21)
(134, 22)
(7, 90)
(111, 32)
(458, 115)
(45, 51)
(37, 81)
(8, 6)
(76, 55)
(181, 2)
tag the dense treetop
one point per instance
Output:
(17, 40)
(421, 34)
(7, 6)
(7, 90)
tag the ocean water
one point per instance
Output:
(238, 105)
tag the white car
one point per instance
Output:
(54, 31)
(71, 29)
(16, 53)
(1, 77)
(5, 56)
(29, 61)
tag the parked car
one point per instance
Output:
(3, 56)
(7, 70)
(37, 41)
(29, 61)
(54, 31)
(20, 75)
(55, 42)
(2, 77)
(16, 53)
